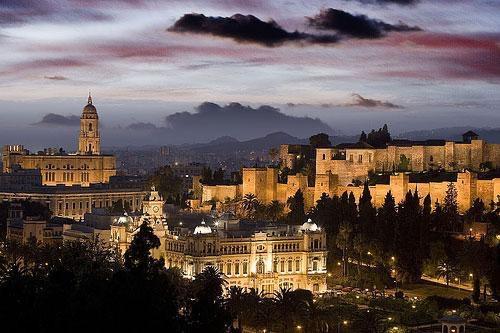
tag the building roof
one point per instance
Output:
(470, 133)
(409, 143)
(357, 145)
(309, 226)
(202, 229)
(89, 108)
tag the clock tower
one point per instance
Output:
(152, 205)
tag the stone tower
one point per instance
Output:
(89, 142)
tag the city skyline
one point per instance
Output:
(353, 64)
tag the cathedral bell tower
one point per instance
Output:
(89, 142)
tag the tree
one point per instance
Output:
(250, 203)
(218, 177)
(206, 175)
(320, 140)
(450, 208)
(138, 257)
(446, 269)
(275, 210)
(409, 259)
(363, 137)
(236, 303)
(207, 311)
(296, 204)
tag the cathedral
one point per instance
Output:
(86, 166)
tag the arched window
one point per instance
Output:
(90, 147)
(261, 267)
(90, 127)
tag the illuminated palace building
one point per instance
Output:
(263, 256)
(71, 184)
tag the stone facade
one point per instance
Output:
(87, 166)
(73, 202)
(263, 257)
(262, 260)
(354, 161)
(23, 229)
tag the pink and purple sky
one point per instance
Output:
(352, 63)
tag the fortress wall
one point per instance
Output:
(254, 181)
(486, 191)
(271, 183)
(417, 158)
(492, 153)
(378, 193)
(324, 165)
(438, 154)
(219, 192)
(476, 153)
(281, 191)
(381, 160)
(462, 157)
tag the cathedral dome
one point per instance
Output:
(89, 108)
(202, 229)
(309, 226)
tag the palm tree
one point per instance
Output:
(446, 269)
(236, 304)
(275, 210)
(283, 301)
(250, 203)
(344, 240)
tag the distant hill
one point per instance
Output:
(225, 145)
(491, 135)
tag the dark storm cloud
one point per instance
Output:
(211, 121)
(54, 119)
(372, 103)
(358, 26)
(56, 78)
(246, 29)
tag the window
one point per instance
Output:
(324, 156)
(245, 268)
(360, 158)
(237, 268)
(431, 158)
(297, 265)
(228, 268)
(351, 158)
(315, 265)
(290, 264)
(90, 127)
(261, 267)
(282, 266)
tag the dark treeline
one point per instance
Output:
(402, 240)
(84, 287)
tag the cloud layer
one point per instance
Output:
(357, 26)
(246, 29)
(212, 120)
(371, 103)
(54, 119)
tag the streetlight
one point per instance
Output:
(299, 327)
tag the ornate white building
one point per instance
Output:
(262, 256)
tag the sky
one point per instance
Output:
(354, 64)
